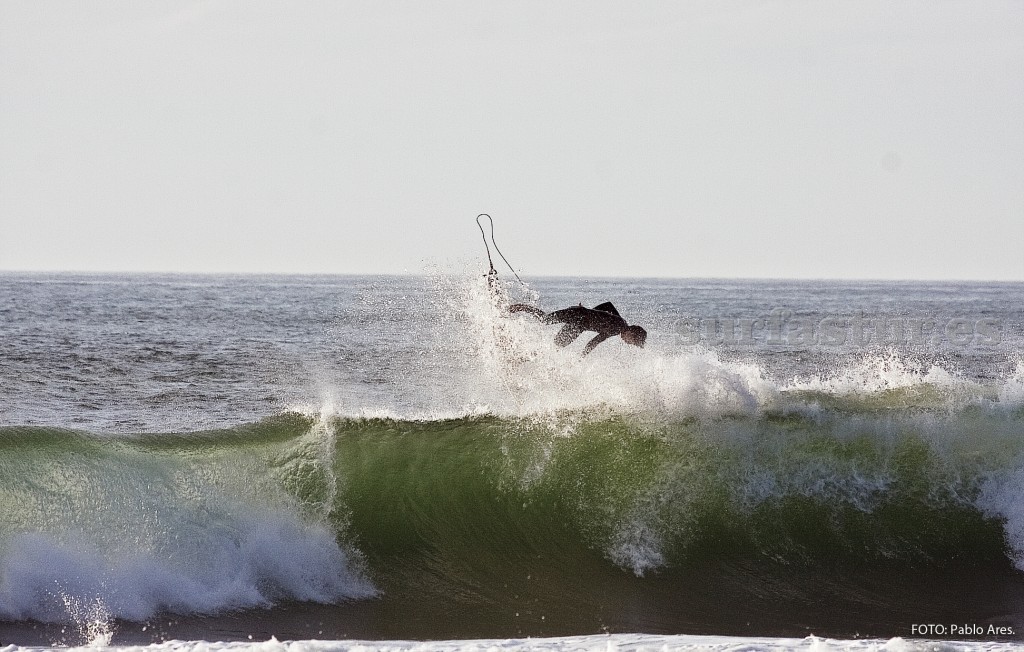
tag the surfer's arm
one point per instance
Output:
(600, 337)
(522, 307)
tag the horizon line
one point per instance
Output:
(29, 272)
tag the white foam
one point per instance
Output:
(878, 372)
(94, 621)
(254, 563)
(360, 413)
(595, 643)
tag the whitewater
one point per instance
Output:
(215, 462)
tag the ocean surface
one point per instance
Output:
(225, 462)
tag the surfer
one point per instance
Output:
(603, 320)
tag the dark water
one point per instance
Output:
(332, 457)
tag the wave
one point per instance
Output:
(327, 508)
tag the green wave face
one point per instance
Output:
(651, 497)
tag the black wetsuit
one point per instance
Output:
(603, 320)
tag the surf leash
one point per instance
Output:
(489, 261)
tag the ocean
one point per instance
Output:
(359, 462)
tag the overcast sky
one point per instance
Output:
(689, 139)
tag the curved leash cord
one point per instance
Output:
(495, 247)
(484, 236)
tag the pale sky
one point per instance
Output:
(816, 139)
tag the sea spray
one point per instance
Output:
(93, 620)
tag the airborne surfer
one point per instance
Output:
(603, 320)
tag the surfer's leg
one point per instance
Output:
(568, 333)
